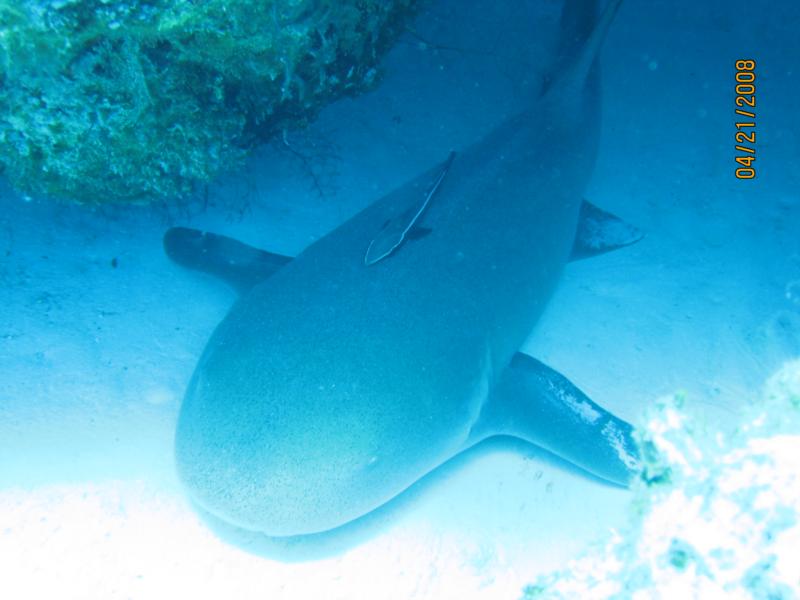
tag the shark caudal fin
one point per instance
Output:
(581, 37)
(578, 20)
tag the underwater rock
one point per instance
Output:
(139, 101)
(715, 514)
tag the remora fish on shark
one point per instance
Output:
(344, 375)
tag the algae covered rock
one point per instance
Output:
(715, 513)
(141, 100)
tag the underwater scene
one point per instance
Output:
(399, 299)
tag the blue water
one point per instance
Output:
(99, 332)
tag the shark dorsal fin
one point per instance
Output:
(397, 229)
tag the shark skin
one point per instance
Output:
(333, 385)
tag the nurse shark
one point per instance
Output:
(343, 375)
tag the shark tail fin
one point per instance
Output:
(594, 42)
(582, 35)
(578, 19)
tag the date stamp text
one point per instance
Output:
(745, 100)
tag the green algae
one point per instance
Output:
(140, 101)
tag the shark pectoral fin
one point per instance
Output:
(533, 402)
(236, 263)
(405, 225)
(600, 231)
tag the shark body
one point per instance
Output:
(340, 378)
